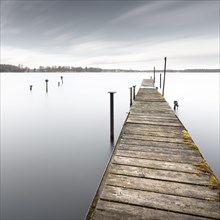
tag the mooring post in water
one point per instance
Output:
(176, 105)
(164, 77)
(154, 75)
(31, 86)
(58, 83)
(134, 92)
(160, 80)
(130, 96)
(61, 79)
(112, 116)
(46, 80)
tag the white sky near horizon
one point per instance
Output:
(111, 34)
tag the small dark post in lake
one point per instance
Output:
(154, 75)
(31, 86)
(112, 116)
(61, 79)
(164, 77)
(134, 92)
(176, 105)
(160, 80)
(58, 83)
(130, 96)
(46, 85)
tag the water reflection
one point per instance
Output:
(55, 145)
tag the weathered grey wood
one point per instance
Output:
(151, 122)
(168, 118)
(152, 116)
(148, 83)
(179, 140)
(202, 208)
(164, 150)
(154, 164)
(156, 170)
(197, 178)
(165, 187)
(152, 128)
(159, 156)
(155, 144)
(108, 210)
(166, 132)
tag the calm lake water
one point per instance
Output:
(55, 146)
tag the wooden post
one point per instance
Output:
(130, 96)
(46, 85)
(160, 80)
(134, 92)
(61, 79)
(31, 87)
(111, 116)
(154, 75)
(164, 77)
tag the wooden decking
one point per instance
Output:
(156, 171)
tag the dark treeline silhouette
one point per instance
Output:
(13, 68)
(21, 68)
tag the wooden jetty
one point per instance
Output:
(156, 170)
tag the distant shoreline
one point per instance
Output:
(8, 68)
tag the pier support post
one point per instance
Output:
(164, 77)
(61, 79)
(46, 85)
(58, 83)
(134, 92)
(160, 80)
(112, 116)
(154, 75)
(130, 96)
(31, 86)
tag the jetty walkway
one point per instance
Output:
(156, 170)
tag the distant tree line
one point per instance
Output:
(21, 68)
(12, 68)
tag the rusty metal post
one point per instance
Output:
(46, 85)
(130, 96)
(154, 75)
(134, 92)
(112, 116)
(164, 77)
(160, 80)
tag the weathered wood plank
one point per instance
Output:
(108, 210)
(164, 150)
(197, 178)
(183, 146)
(173, 203)
(165, 187)
(147, 83)
(179, 140)
(161, 165)
(156, 117)
(153, 119)
(150, 122)
(154, 132)
(159, 156)
(153, 128)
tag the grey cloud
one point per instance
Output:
(67, 27)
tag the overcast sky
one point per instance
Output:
(111, 34)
